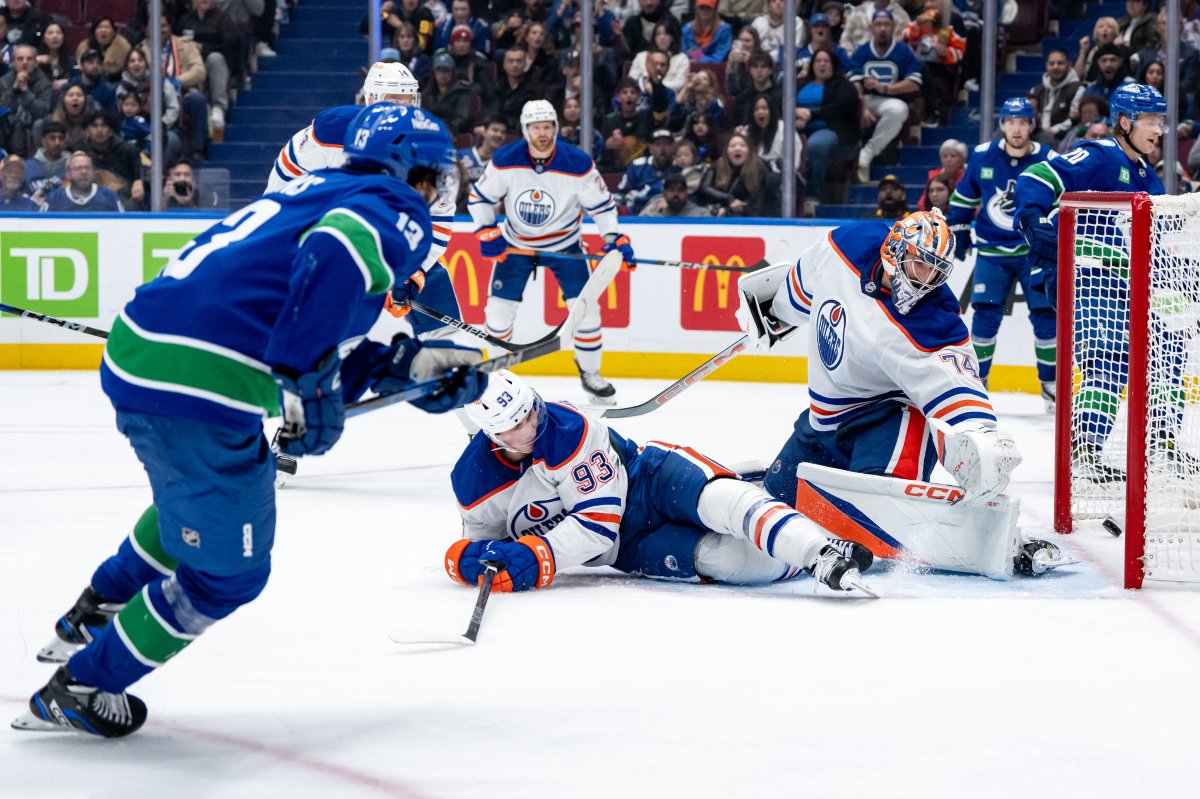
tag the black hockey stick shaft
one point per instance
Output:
(78, 327)
(458, 324)
(647, 261)
(485, 590)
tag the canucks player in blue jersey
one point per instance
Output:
(987, 187)
(265, 312)
(1102, 304)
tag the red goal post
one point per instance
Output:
(1122, 256)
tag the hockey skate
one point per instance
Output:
(66, 705)
(1165, 449)
(837, 572)
(1048, 395)
(862, 557)
(78, 626)
(597, 388)
(1087, 458)
(1038, 557)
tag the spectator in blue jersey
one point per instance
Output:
(827, 111)
(13, 196)
(887, 75)
(706, 39)
(91, 79)
(45, 171)
(1111, 72)
(81, 193)
(643, 178)
(820, 37)
(460, 14)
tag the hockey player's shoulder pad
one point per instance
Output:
(570, 159)
(330, 126)
(858, 243)
(567, 431)
(983, 148)
(513, 154)
(481, 473)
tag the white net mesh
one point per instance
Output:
(1100, 429)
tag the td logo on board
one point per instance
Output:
(55, 273)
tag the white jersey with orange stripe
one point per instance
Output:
(571, 490)
(863, 352)
(319, 146)
(544, 202)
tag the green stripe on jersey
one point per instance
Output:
(146, 635)
(190, 366)
(147, 543)
(361, 240)
(1096, 253)
(1045, 173)
(1003, 250)
(958, 199)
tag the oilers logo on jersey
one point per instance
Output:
(1002, 205)
(535, 207)
(831, 333)
(536, 518)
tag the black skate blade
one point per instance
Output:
(31, 723)
(422, 637)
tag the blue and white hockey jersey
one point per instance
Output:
(863, 352)
(198, 343)
(571, 490)
(319, 146)
(988, 186)
(544, 203)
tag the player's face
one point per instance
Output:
(1016, 131)
(1147, 131)
(399, 99)
(520, 439)
(541, 136)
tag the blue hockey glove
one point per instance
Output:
(621, 242)
(526, 563)
(492, 243)
(314, 410)
(415, 362)
(404, 291)
(1042, 236)
(962, 241)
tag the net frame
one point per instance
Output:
(1141, 208)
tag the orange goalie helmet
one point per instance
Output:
(917, 253)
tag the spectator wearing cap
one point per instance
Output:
(820, 36)
(644, 177)
(81, 193)
(47, 169)
(117, 163)
(627, 130)
(706, 39)
(640, 28)
(220, 47)
(112, 46)
(25, 92)
(771, 30)
(893, 202)
(91, 79)
(887, 75)
(836, 12)
(674, 200)
(12, 186)
(470, 66)
(857, 31)
(26, 24)
(516, 88)
(827, 112)
(1111, 71)
(460, 14)
(447, 97)
(414, 13)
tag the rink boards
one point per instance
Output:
(658, 321)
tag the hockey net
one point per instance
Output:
(1128, 411)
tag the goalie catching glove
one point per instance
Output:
(525, 563)
(756, 294)
(982, 461)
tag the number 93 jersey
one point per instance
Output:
(571, 490)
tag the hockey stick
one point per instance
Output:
(458, 324)
(467, 638)
(601, 276)
(51, 320)
(639, 261)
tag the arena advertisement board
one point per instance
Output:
(658, 320)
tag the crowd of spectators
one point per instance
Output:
(75, 120)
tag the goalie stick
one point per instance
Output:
(467, 638)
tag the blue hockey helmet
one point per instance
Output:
(396, 139)
(1133, 99)
(1016, 107)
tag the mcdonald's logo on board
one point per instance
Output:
(614, 303)
(709, 300)
(470, 273)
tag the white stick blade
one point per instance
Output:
(422, 637)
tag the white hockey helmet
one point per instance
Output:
(924, 239)
(390, 79)
(504, 404)
(537, 111)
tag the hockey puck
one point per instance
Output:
(1113, 527)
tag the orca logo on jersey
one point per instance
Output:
(534, 207)
(535, 518)
(1000, 206)
(831, 333)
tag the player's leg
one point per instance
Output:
(214, 492)
(1102, 355)
(504, 295)
(892, 113)
(589, 338)
(1167, 400)
(991, 283)
(804, 445)
(1045, 333)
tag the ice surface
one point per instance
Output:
(603, 685)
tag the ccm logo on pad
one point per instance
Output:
(947, 494)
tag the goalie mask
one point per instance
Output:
(505, 406)
(388, 79)
(917, 254)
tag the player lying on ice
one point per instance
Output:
(543, 487)
(892, 388)
(265, 312)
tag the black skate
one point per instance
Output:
(78, 626)
(66, 705)
(600, 390)
(1087, 458)
(1038, 557)
(1164, 447)
(837, 572)
(862, 557)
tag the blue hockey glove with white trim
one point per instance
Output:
(620, 242)
(314, 410)
(413, 361)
